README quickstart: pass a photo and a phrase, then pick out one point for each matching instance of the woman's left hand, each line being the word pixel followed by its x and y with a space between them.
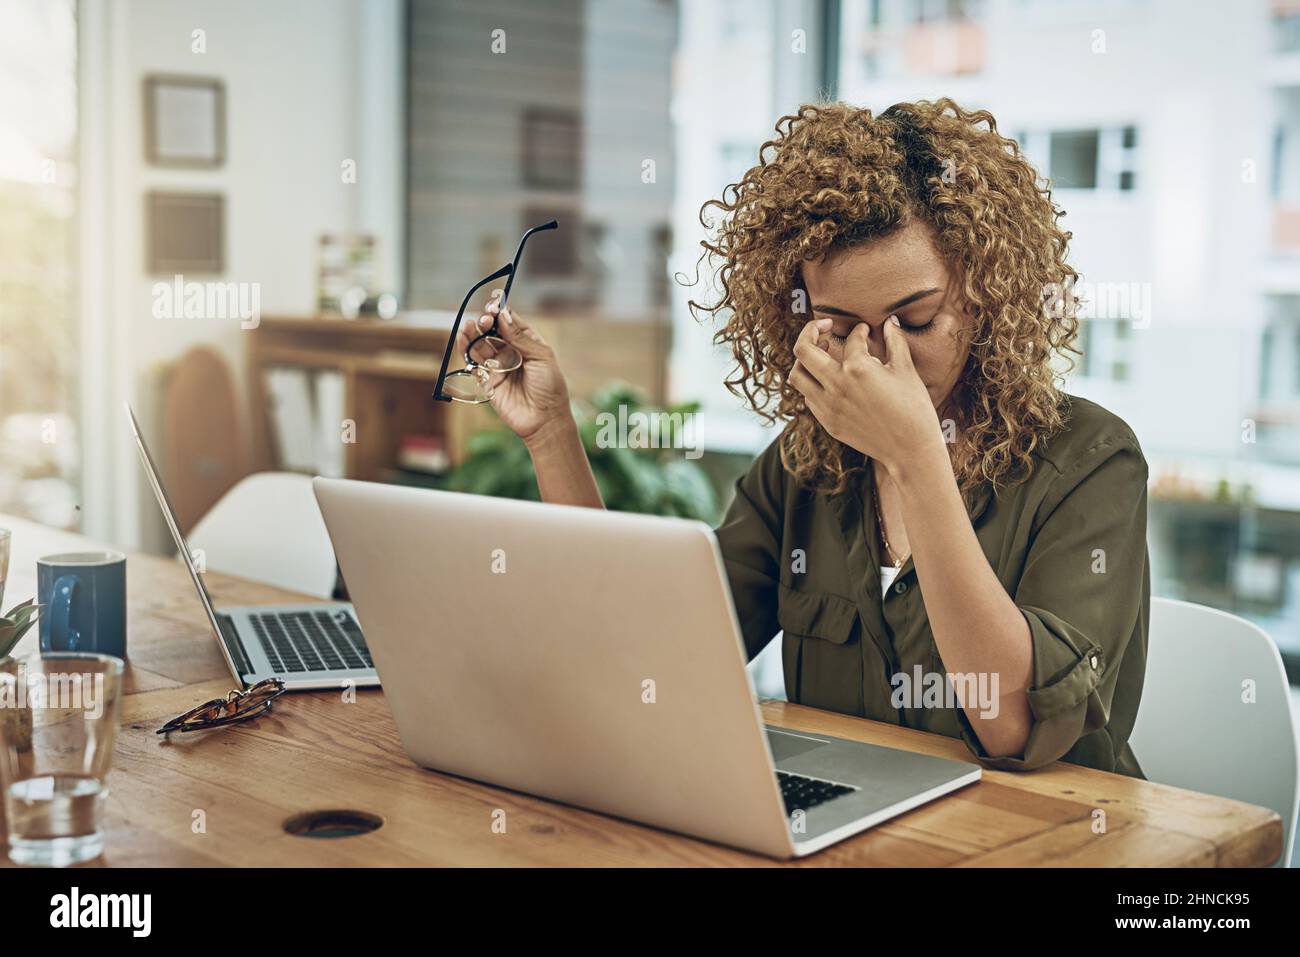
pixel 882 409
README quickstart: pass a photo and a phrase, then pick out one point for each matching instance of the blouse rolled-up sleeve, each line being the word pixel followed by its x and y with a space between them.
pixel 1085 593
pixel 749 539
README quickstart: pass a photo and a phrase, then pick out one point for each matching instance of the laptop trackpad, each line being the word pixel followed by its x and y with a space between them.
pixel 786 746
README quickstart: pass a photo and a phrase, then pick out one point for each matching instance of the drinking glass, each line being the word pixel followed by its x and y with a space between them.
pixel 58 723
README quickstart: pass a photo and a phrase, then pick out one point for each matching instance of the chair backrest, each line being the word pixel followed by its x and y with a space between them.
pixel 1216 711
pixel 268 528
pixel 203 445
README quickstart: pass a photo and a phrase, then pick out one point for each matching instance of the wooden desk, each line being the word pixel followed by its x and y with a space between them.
pixel 317 752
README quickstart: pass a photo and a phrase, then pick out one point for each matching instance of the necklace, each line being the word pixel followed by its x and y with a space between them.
pixel 880 523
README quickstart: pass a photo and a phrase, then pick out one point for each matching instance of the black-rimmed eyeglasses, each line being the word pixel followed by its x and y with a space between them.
pixel 236 707
pixel 488 357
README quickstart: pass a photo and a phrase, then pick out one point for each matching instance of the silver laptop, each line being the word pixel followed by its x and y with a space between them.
pixel 594 658
pixel 316 645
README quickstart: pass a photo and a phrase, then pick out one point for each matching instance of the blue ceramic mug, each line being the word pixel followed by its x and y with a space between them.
pixel 83 602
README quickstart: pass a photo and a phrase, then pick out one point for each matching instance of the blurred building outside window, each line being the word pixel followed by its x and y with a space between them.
pixel 1166 185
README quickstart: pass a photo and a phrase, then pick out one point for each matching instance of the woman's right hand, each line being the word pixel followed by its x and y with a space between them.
pixel 535 395
pixel 533 402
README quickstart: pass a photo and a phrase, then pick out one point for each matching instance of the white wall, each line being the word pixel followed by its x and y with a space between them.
pixel 309 83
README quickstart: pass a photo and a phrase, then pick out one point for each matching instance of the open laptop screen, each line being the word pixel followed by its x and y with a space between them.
pixel 170 515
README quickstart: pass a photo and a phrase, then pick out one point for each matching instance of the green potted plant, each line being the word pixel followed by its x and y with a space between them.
pixel 16 623
pixel 653 481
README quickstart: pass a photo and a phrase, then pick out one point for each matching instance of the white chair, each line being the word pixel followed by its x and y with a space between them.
pixel 1194 730
pixel 269 529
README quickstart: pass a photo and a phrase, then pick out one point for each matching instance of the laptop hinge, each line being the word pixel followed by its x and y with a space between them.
pixel 230 635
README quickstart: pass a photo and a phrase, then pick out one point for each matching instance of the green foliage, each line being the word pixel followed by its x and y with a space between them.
pixel 650 481
pixel 17 623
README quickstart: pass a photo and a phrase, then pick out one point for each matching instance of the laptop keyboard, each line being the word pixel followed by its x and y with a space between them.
pixel 305 641
pixel 801 793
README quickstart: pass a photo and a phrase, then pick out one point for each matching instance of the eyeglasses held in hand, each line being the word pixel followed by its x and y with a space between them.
pixel 232 709
pixel 488 357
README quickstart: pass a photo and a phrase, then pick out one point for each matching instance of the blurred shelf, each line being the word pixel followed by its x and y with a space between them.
pixel 389 368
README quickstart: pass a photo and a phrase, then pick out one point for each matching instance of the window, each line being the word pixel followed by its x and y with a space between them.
pixel 937 11
pixel 1105 344
pixel 1286 30
pixel 907 38
pixel 39 468
pixel 1098 159
pixel 1074 159
pixel 1279 374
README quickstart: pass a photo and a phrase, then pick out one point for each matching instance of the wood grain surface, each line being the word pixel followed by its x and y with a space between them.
pixel 318 751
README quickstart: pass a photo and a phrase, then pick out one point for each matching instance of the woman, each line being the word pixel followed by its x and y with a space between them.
pixel 935 505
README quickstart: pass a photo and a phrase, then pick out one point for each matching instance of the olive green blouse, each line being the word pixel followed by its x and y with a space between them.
pixel 1068 545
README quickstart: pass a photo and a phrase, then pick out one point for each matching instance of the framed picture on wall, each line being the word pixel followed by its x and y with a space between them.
pixel 184 233
pixel 184 121
pixel 552 148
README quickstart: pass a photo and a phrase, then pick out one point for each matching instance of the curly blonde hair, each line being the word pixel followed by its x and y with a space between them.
pixel 835 176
